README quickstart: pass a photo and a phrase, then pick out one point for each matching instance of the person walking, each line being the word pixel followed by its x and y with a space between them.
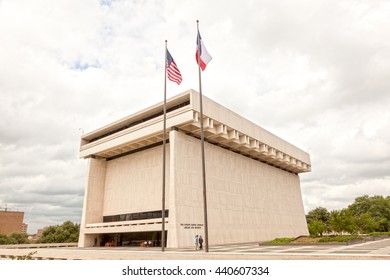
pixel 196 243
pixel 200 242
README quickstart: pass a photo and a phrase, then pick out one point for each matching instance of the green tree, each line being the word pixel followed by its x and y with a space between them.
pixel 318 221
pixel 366 223
pixel 67 232
pixel 342 221
pixel 18 238
pixel 335 222
pixel 378 207
pixel 317 228
pixel 4 239
pixel 366 214
pixel 318 214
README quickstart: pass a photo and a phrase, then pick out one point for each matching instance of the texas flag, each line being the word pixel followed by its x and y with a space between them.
pixel 205 57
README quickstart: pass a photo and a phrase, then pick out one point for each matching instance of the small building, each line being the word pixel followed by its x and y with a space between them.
pixel 24 228
pixel 253 186
pixel 37 235
pixel 11 221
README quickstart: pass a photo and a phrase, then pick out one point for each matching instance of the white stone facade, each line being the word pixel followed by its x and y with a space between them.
pixel 253 187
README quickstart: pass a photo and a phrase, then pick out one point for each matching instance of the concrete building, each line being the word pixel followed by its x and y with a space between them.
pixel 253 187
pixel 37 235
pixel 24 228
pixel 11 221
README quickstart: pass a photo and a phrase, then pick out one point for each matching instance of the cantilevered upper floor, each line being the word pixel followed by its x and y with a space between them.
pixel 222 127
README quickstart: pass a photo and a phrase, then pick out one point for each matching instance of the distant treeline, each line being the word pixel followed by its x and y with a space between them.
pixel 367 214
pixel 66 233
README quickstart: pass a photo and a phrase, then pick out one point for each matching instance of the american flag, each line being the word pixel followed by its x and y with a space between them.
pixel 173 72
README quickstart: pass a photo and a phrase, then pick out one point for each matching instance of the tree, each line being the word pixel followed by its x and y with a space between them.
pixel 3 239
pixel 378 207
pixel 320 214
pixel 18 238
pixel 342 221
pixel 318 221
pixel 335 221
pixel 67 232
pixel 366 223
pixel 317 228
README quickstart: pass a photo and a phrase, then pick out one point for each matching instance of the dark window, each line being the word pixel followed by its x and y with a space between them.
pixel 135 216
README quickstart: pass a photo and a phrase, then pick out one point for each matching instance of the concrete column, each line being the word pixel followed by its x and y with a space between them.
pixel 172 241
pixel 93 199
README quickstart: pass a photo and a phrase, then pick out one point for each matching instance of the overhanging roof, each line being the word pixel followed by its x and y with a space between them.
pixel 221 126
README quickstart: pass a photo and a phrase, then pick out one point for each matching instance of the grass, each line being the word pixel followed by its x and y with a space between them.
pixel 378 233
pixel 340 238
pixel 280 241
pixel 308 239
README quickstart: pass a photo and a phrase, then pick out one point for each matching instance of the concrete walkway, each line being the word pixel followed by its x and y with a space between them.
pixel 373 250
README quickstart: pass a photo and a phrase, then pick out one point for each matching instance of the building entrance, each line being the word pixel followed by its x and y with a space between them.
pixel 134 239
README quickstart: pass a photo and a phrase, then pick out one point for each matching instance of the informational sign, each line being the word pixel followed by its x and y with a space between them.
pixel 191 226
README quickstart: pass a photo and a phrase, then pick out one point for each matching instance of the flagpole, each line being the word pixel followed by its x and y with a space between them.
pixel 164 153
pixel 202 147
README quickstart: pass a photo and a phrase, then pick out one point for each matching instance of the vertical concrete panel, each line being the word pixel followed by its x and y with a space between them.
pixel 93 199
pixel 248 201
pixel 172 227
pixel 187 188
pixel 134 183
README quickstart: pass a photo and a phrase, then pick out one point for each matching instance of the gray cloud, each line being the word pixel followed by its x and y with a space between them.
pixel 312 72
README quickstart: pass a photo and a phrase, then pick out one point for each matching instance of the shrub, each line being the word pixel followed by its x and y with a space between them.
pixel 24 257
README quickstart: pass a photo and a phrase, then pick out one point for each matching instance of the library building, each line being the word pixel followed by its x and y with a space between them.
pixel 253 184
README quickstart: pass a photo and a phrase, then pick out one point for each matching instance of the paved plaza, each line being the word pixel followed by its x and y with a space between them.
pixel 373 250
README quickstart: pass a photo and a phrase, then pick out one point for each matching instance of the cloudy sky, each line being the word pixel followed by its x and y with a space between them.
pixel 315 73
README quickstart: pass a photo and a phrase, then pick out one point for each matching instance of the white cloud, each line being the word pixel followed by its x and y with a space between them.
pixel 335 197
